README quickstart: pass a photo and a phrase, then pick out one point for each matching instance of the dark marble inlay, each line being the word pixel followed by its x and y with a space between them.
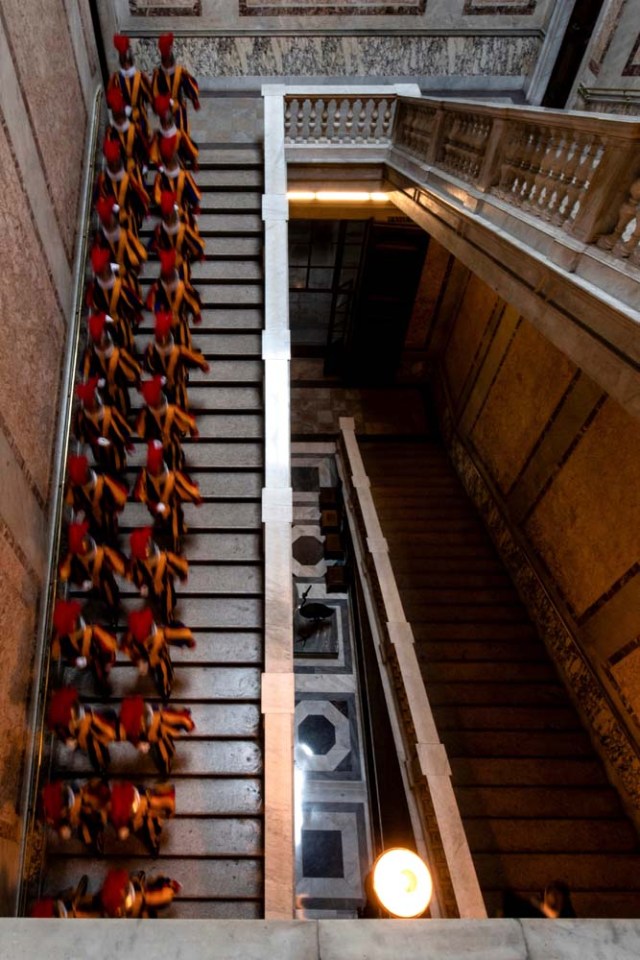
pixel 168 8
pixel 305 479
pixel 489 8
pixel 318 733
pixel 320 8
pixel 322 853
pixel 308 551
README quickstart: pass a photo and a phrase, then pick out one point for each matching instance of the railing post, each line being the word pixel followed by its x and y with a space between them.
pixel 436 137
pixel 277 510
pixel 492 156
pixel 607 191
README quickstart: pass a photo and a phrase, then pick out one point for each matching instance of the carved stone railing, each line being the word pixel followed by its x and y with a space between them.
pixel 579 172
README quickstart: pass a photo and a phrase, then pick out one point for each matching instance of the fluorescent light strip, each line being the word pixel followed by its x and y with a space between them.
pixel 337 196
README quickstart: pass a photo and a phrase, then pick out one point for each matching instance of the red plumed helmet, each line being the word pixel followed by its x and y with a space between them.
pixel 100 257
pixel 115 100
pixel 96 325
pixel 162 105
pixel 86 391
pixel 123 795
pixel 76 533
pixel 78 468
pixel 105 208
pixel 164 322
pixel 155 456
pixel 131 715
pixel 61 707
pixel 121 43
pixel 53 800
pixel 151 390
pixel 167 262
pixel 44 909
pixel 65 616
pixel 139 540
pixel 114 891
pixel 140 623
pixel 111 150
pixel 167 202
pixel 165 42
pixel 168 147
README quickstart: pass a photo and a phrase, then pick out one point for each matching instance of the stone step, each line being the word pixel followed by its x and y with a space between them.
pixel 436 653
pixel 232 318
pixel 199 877
pixel 208 454
pixel 233 200
pixel 206 796
pixel 230 224
pixel 218 647
pixel 191 683
pixel 582 871
pixel 231 485
pixel 246 612
pixel 498 693
pixel 215 293
pixel 454 613
pixel 208 395
pixel 225 547
pixel 236 157
pixel 229 371
pixel 181 837
pixel 193 758
pixel 513 632
pixel 542 802
pixel 462 717
pixel 215 910
pixel 485 672
pixel 227 248
pixel 524 771
pixel 517 743
pixel 462 594
pixel 236 270
pixel 553 836
pixel 216 179
pixel 602 904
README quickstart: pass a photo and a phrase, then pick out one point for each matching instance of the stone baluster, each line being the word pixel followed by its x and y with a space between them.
pixel 388 109
pixel 299 119
pixel 361 120
pixel 348 120
pixel 532 169
pixel 287 119
pixel 312 118
pixel 567 168
pixel 337 118
pixel 375 116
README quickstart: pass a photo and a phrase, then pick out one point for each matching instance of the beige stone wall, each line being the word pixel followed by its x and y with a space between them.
pixel 561 460
pixel 48 76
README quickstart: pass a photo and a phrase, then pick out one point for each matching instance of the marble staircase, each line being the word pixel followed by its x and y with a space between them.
pixel 533 795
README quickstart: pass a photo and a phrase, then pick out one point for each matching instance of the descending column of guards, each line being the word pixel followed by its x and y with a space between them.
pixel 84 628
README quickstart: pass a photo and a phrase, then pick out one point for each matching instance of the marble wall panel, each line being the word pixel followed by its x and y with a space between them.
pixel 17 620
pixel 469 328
pixel 351 56
pixel 33 334
pixel 310 8
pixel 527 387
pixel 433 279
pixel 586 527
pixel 52 89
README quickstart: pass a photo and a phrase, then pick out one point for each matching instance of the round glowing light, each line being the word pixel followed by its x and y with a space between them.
pixel 402 883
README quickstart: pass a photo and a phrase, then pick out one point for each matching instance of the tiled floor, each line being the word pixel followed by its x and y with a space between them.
pixel 333 836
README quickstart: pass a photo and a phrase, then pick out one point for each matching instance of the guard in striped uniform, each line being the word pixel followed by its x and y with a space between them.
pixel 82 644
pixel 98 496
pixel 126 188
pixel 69 808
pixel 166 358
pixel 109 293
pixel 102 427
pixel 163 421
pixel 133 84
pixel 172 177
pixel 93 567
pixel 134 896
pixel 175 233
pixel 154 730
pixel 175 81
pixel 171 292
pixel 123 245
pixel 115 367
pixel 91 731
pixel 69 904
pixel 141 811
pixel 184 145
pixel 164 491
pixel 147 644
pixel 128 134
pixel 153 571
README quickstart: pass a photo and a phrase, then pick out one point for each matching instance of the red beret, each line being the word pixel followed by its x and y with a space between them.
pixel 115 100
pixel 111 150
pixel 114 890
pixel 123 795
pixel 86 391
pixel 120 42
pixel 61 707
pixel 151 390
pixel 131 715
pixel 139 540
pixel 140 623
pixel 96 324
pixel 167 262
pixel 105 207
pixel 167 202
pixel 162 104
pixel 168 147
pixel 164 322
pixel 78 467
pixel 77 532
pixel 100 257
pixel 155 456
pixel 165 42
pixel 65 616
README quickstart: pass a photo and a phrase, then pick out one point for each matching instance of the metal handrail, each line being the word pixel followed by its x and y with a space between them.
pixel 35 748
